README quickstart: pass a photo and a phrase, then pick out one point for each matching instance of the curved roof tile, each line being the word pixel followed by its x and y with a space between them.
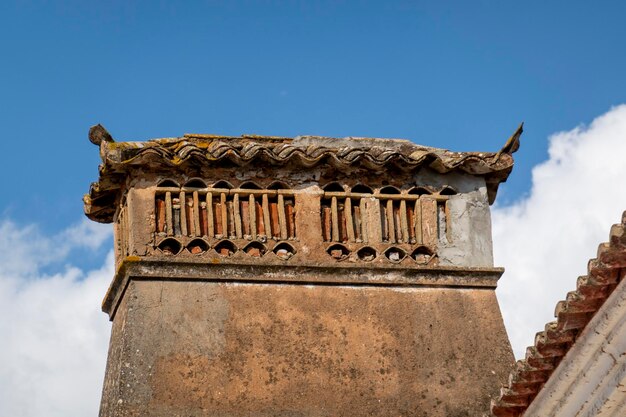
pixel 572 315
pixel 307 151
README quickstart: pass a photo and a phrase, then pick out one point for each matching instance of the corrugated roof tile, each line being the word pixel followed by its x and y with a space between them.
pixel 553 343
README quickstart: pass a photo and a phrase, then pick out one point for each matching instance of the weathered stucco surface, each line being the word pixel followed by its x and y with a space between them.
pixel 469 215
pixel 230 349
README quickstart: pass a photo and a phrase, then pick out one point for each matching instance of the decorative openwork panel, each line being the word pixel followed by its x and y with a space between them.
pixel 390 221
pixel 223 212
pixel 415 217
pixel 344 215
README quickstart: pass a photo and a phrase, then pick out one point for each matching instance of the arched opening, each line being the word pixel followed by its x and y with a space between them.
pixel 222 184
pixel 361 189
pixel 389 189
pixel 168 183
pixel 447 190
pixel 250 185
pixel 225 248
pixel 284 251
pixel 197 246
pixel 255 249
pixel 366 254
pixel 419 191
pixel 170 246
pixel 195 183
pixel 395 255
pixel 333 187
pixel 278 185
pixel 338 252
pixel 422 255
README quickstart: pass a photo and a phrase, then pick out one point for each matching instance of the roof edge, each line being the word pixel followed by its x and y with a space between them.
pixel 573 314
pixel 119 158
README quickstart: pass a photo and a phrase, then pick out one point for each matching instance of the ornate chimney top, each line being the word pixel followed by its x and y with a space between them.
pixel 375 249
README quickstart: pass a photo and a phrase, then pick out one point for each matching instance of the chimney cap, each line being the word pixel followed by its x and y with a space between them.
pixel 119 158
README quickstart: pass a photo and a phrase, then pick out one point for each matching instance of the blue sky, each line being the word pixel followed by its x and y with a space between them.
pixel 456 75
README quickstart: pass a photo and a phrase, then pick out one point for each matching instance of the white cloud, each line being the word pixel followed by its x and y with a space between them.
pixel 24 251
pixel 86 234
pixel 54 336
pixel 545 240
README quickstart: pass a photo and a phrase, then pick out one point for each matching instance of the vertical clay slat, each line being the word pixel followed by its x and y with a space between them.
pixel 168 214
pixel 260 220
pixel 281 217
pixel 252 215
pixel 291 219
pixel 397 221
pixel 219 225
pixel 230 212
pixel 356 220
pixel 209 214
pixel 176 215
pixel 183 213
pixel 429 221
pixel 203 219
pixel 196 214
pixel 274 220
pixel 343 227
pixel 237 216
pixel 224 214
pixel 364 222
pixel 189 215
pixel 384 228
pixel 390 222
pixel 347 210
pixel 417 220
pixel 160 214
pixel 404 222
pixel 266 216
pixel 326 223
pixel 245 218
pixel 334 216
pixel 410 218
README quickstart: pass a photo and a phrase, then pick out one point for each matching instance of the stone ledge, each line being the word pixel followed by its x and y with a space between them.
pixel 335 275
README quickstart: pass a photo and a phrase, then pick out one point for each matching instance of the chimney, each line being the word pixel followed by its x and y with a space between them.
pixel 303 276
